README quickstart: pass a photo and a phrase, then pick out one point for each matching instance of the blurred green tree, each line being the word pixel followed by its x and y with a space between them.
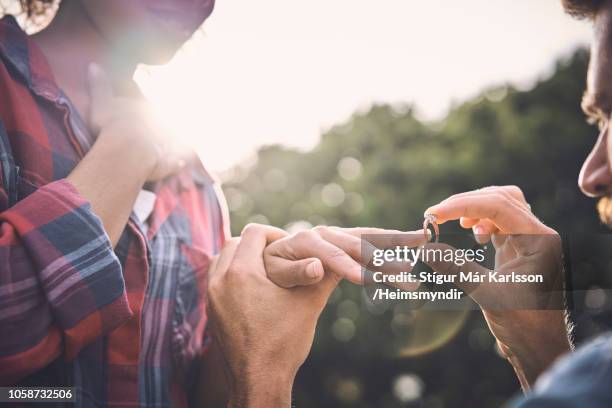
pixel 384 168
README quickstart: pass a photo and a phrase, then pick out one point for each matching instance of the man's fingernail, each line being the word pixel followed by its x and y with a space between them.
pixel 430 211
pixel 478 230
pixel 312 270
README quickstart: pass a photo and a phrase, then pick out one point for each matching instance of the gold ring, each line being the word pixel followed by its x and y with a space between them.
pixel 430 225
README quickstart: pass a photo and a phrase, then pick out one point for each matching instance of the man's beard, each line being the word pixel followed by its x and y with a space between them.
pixel 604 207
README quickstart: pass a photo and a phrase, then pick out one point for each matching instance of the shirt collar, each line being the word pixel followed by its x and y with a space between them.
pixel 26 60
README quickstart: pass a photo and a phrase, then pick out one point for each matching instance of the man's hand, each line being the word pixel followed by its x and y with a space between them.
pixel 528 320
pixel 265 332
pixel 266 292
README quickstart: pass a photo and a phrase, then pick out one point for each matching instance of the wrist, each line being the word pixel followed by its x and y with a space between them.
pixel 532 358
pixel 269 389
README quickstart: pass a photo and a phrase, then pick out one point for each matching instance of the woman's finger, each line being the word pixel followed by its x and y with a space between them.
pixel 384 238
pixel 362 250
pixel 289 273
pixel 309 244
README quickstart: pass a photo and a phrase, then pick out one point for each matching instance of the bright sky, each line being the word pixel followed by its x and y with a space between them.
pixel 281 71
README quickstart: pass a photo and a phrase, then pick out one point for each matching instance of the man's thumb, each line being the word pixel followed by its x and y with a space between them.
pixel 100 96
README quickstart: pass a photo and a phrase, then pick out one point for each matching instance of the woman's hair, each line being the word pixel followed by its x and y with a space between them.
pixel 582 8
pixel 32 15
pixel 35 7
pixel 30 9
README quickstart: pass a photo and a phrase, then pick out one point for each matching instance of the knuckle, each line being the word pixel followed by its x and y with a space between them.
pixel 236 268
pixel 215 288
pixel 320 229
pixel 355 247
pixel 551 231
pixel 513 188
pixel 234 240
pixel 274 249
pixel 515 191
pixel 505 206
pixel 336 253
pixel 306 235
pixel 503 197
pixel 251 228
pixel 231 243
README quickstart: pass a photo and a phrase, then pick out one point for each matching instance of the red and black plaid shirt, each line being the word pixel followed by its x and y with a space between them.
pixel 122 326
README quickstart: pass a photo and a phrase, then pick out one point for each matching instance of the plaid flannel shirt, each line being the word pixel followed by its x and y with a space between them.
pixel 124 327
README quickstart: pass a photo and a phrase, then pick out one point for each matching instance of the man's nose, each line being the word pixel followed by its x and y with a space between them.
pixel 595 178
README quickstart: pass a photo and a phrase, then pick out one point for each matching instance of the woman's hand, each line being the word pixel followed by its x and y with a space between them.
pixel 129 150
pixel 128 123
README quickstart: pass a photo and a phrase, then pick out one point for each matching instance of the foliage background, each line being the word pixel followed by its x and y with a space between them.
pixel 383 168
